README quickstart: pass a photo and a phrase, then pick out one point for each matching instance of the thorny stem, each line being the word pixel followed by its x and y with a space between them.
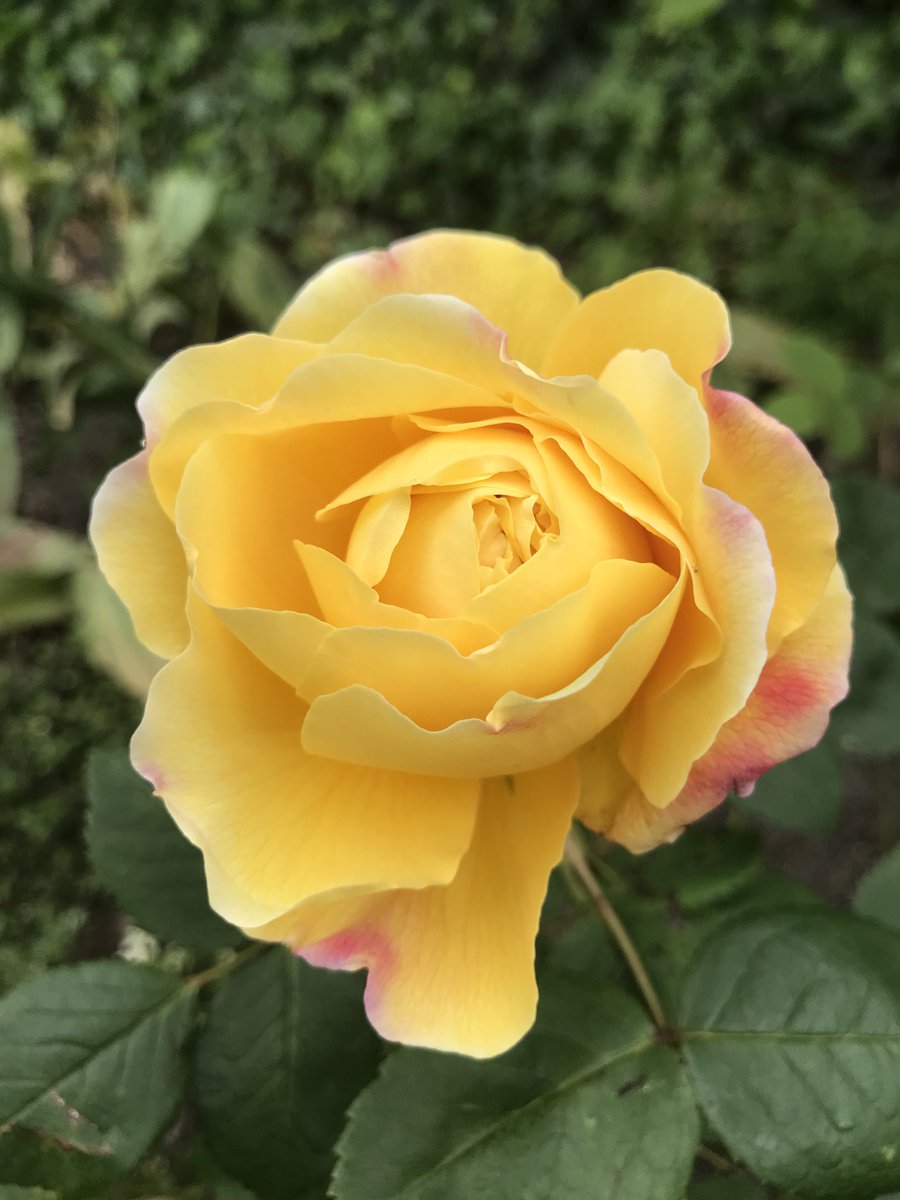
pixel 575 856
pixel 226 966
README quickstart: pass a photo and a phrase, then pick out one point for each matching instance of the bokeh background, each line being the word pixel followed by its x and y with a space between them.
pixel 170 174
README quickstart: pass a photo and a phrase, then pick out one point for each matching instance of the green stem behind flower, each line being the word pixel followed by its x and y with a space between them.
pixel 576 858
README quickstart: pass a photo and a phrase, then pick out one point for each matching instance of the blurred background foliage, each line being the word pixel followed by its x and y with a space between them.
pixel 170 175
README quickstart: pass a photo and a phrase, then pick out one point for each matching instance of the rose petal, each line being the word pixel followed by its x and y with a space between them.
pixel 518 288
pixel 248 369
pixel 764 466
pixel 674 722
pixel 651 310
pixel 786 714
pixel 220 740
pixel 520 733
pixel 141 556
pixel 452 967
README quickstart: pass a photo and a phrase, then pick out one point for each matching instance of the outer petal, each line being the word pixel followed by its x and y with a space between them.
pixel 786 714
pixel 220 740
pixel 141 556
pixel 249 369
pixel 764 466
pixel 673 724
pixel 452 967
pixel 518 289
pixel 652 310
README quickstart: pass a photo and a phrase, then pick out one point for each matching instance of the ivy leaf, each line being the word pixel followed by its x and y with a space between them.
pixel 91 1055
pixel 793 1040
pixel 149 866
pixel 284 1051
pixel 878 894
pixel 589 1104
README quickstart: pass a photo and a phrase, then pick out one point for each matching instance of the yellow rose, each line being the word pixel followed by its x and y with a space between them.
pixel 450 558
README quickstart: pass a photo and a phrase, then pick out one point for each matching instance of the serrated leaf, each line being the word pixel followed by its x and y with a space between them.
pixel 100 1044
pixel 588 1105
pixel 283 1052
pixel 793 1040
pixel 803 793
pixel 878 894
pixel 29 1159
pixel 869 549
pixel 145 861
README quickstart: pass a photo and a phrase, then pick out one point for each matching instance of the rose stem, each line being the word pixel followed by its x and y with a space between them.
pixel 575 857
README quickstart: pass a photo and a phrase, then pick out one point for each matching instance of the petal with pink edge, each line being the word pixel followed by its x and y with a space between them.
pixel 675 720
pixel 764 466
pixel 518 288
pixel 452 967
pixel 786 714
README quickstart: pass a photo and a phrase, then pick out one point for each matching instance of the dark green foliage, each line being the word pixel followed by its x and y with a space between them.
pixel 283 1053
pixel 90 1056
pixel 151 868
pixel 587 1105
pixel 794 1047
pixel 751 145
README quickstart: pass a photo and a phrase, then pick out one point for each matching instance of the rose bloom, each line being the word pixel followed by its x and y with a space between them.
pixel 450 558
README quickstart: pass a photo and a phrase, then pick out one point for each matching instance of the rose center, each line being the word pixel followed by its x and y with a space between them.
pixel 508 531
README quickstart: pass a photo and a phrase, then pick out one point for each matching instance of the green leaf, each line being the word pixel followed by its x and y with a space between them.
pixel 284 1051
pixel 146 862
pixel 793 1040
pixel 727 1188
pixel 588 1105
pixel 10 464
pixel 670 16
pixel 181 206
pixel 12 333
pixel 105 629
pixel 703 867
pixel 36 565
pixel 257 283
pixel 878 894
pixel 866 722
pixel 799 410
pixel 11 1192
pixel 803 793
pixel 29 1159
pixel 92 1054
pixel 869 514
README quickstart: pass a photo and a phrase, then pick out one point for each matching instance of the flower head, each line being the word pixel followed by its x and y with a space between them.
pixel 450 558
